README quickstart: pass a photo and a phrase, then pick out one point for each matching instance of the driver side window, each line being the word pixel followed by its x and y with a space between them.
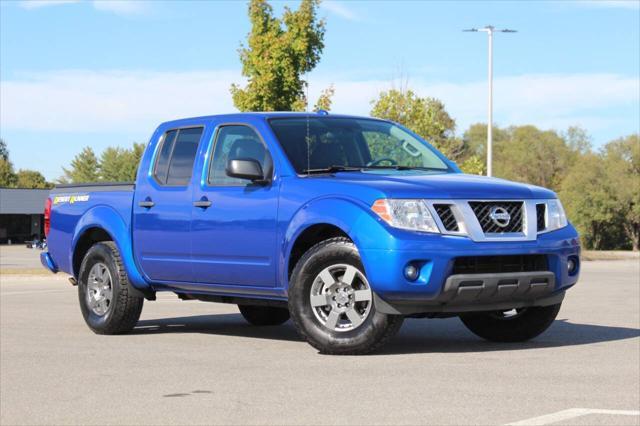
pixel 236 142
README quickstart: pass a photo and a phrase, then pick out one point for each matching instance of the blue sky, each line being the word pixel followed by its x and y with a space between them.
pixel 78 73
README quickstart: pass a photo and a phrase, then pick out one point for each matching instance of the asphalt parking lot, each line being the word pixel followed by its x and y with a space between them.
pixel 200 363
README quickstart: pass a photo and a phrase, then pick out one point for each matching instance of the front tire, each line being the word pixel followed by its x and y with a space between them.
pixel 331 302
pixel 264 315
pixel 517 325
pixel 105 294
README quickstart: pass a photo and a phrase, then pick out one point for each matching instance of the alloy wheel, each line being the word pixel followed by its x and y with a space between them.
pixel 341 297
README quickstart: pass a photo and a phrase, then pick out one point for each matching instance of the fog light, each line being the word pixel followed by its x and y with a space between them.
pixel 411 272
pixel 572 265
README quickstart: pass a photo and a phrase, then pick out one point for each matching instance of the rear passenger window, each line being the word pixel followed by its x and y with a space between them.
pixel 177 155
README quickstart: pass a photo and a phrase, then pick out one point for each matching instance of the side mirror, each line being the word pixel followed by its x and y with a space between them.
pixel 245 169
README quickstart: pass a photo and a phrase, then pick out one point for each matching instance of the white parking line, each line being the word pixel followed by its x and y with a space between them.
pixel 570 414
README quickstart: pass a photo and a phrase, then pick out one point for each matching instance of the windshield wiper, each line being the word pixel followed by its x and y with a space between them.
pixel 333 169
pixel 398 167
pixel 394 167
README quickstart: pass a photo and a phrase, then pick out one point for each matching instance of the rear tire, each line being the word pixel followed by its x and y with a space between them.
pixel 332 304
pixel 105 293
pixel 524 325
pixel 264 315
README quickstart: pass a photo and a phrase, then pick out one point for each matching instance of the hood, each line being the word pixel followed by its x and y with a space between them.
pixel 412 184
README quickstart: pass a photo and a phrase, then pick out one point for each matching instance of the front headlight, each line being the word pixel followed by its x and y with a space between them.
pixel 556 218
pixel 406 214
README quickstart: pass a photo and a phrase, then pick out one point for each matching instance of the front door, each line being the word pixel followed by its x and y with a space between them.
pixel 234 230
pixel 162 208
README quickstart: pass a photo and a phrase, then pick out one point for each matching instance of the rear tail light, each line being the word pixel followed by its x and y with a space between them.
pixel 47 217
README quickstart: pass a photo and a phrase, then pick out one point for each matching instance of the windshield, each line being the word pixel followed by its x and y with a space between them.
pixel 344 144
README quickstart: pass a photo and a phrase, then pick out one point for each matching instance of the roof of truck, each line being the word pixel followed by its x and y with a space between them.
pixel 267 115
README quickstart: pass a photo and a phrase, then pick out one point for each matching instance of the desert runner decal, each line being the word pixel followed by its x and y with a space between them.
pixel 59 199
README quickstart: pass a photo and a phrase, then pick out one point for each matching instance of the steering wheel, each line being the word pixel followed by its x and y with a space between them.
pixel 382 160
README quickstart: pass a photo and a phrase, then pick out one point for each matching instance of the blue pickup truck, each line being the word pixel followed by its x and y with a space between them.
pixel 344 224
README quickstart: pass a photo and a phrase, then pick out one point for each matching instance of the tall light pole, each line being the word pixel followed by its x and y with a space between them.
pixel 489 29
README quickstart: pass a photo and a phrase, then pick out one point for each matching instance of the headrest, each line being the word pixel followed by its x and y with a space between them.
pixel 247 148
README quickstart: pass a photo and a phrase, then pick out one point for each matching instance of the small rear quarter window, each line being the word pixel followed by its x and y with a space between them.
pixel 162 163
pixel 174 165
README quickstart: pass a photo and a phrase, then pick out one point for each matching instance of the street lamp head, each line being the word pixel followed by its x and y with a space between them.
pixel 488 29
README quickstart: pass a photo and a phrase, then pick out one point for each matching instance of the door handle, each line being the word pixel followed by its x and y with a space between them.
pixel 147 203
pixel 203 203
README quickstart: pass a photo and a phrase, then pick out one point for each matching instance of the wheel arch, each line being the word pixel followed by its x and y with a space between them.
pixel 103 223
pixel 85 241
pixel 318 221
pixel 310 236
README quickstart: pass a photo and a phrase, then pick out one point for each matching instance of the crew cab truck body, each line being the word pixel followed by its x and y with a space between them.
pixel 346 224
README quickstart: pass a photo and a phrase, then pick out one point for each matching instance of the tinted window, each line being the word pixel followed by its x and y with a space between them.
pixel 184 154
pixel 177 155
pixel 236 142
pixel 162 164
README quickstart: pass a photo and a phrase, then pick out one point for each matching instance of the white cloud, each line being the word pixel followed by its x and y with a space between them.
pixel 37 4
pixel 339 9
pixel 87 101
pixel 546 100
pixel 620 4
pixel 121 7
pixel 134 102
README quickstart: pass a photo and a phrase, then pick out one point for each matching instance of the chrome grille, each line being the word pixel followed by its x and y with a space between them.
pixel 446 216
pixel 483 211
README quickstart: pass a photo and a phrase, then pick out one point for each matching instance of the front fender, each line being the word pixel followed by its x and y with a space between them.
pixel 109 220
pixel 354 218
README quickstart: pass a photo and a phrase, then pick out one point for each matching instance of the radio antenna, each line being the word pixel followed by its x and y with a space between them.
pixel 308 136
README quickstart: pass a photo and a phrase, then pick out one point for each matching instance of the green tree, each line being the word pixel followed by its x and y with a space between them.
pixel 473 165
pixel 134 159
pixel 325 99
pixel 31 179
pixel 531 155
pixel 85 168
pixel 578 140
pixel 586 195
pixel 425 116
pixel 120 164
pixel 474 141
pixel 621 158
pixel 8 177
pixel 113 165
pixel 549 152
pixel 277 54
pixel 4 151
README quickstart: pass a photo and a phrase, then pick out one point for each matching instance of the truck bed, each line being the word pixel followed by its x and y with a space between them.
pixel 76 207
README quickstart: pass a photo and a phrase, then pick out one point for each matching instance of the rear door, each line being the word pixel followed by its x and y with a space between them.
pixel 234 230
pixel 162 207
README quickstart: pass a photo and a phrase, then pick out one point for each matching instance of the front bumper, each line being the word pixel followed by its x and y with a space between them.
pixel 483 292
pixel 437 290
